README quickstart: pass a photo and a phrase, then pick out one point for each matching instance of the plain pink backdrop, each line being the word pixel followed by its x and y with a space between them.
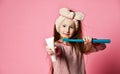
pixel 24 25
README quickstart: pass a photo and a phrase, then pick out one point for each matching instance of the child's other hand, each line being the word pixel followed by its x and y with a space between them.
pixel 87 40
pixel 49 50
pixel 88 43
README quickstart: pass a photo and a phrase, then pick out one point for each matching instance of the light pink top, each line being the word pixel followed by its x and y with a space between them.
pixel 69 61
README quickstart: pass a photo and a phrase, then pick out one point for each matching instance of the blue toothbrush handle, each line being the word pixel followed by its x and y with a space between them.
pixel 93 41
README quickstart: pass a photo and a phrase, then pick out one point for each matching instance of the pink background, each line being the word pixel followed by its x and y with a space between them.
pixel 24 25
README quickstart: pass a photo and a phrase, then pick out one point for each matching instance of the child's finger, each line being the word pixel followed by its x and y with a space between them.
pixel 50 52
pixel 55 47
pixel 89 38
pixel 84 40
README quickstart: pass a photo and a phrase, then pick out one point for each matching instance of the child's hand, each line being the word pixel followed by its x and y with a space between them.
pixel 49 50
pixel 87 43
pixel 87 40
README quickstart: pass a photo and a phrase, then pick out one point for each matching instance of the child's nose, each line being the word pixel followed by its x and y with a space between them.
pixel 67 29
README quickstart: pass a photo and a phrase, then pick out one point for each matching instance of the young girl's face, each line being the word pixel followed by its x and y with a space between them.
pixel 67 28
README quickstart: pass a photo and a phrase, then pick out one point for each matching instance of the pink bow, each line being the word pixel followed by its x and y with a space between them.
pixel 69 14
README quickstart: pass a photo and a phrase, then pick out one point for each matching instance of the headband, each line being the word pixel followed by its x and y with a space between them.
pixel 66 13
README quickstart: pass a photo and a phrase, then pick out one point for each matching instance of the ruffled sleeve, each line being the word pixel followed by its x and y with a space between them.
pixel 94 47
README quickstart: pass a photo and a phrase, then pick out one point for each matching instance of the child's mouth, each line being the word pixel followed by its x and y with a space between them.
pixel 66 34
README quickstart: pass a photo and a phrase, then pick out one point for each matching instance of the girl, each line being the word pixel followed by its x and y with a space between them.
pixel 70 58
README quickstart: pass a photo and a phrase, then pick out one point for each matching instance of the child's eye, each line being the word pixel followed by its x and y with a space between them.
pixel 64 25
pixel 72 27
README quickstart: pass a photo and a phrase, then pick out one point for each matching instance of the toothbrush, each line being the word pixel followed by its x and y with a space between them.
pixel 81 40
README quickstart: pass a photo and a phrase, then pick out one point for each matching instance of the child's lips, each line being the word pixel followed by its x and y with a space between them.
pixel 66 34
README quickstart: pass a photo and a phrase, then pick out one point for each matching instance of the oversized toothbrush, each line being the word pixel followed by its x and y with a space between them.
pixel 81 40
